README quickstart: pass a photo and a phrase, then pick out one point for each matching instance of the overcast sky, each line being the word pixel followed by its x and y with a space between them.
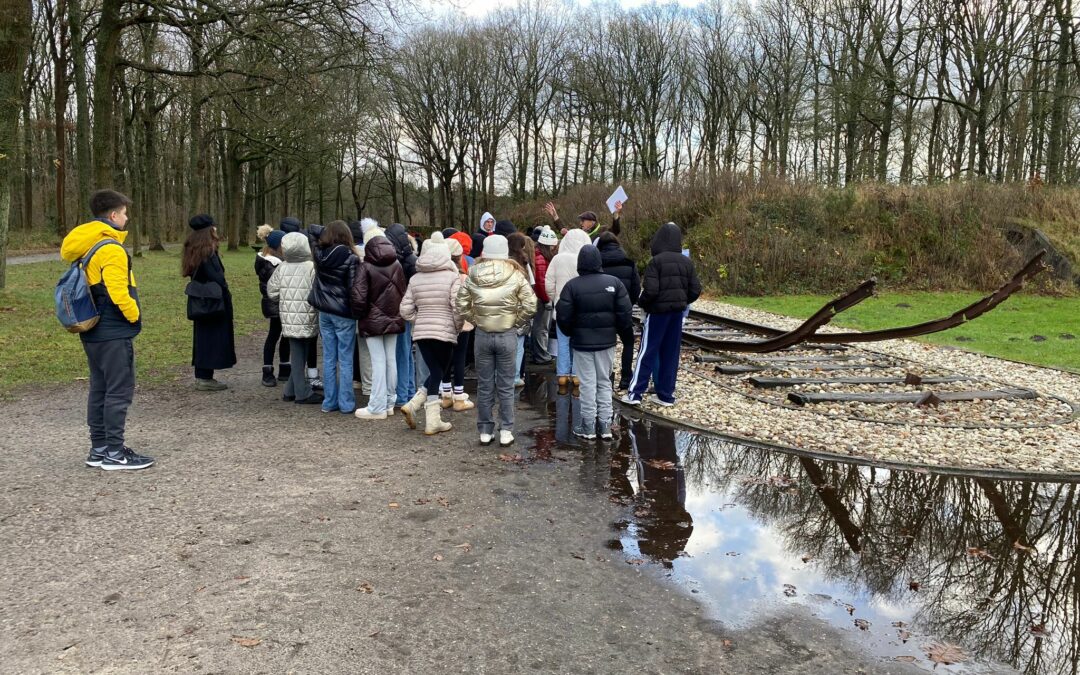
pixel 481 7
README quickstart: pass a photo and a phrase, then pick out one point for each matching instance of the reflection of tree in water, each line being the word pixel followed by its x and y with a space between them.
pixel 959 539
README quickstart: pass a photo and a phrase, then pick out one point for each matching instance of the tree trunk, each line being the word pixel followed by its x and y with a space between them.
pixel 14 44
pixel 106 56
pixel 82 107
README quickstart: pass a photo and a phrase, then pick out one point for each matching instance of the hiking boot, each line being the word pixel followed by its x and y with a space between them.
pixel 410 409
pixel 316 384
pixel 268 378
pixel 462 403
pixel 95 457
pixel 314 399
pixel 125 460
pixel 506 437
pixel 433 423
pixel 210 385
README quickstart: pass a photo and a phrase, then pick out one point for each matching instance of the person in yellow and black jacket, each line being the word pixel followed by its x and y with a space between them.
pixel 109 345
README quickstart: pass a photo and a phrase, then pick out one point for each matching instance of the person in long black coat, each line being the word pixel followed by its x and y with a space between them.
pixel 213 346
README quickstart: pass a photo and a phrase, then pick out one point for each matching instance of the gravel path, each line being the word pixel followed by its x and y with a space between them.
pixel 1053 449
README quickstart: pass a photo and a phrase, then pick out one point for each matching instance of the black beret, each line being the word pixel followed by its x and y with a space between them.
pixel 201 221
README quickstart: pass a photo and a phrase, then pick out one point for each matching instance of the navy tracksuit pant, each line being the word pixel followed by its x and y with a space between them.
pixel 658 356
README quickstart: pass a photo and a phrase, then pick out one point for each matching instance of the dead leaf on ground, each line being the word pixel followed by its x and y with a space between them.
pixel 905 659
pixel 370 635
pixel 728 644
pixel 976 552
pixel 1038 629
pixel 635 561
pixel 507 457
pixel 945 652
pixel 862 624
pixel 807 558
pixel 914 585
pixel 365 588
pixel 850 608
pixel 437 557
pixel 465 548
pixel 421 501
pixel 449 591
pixel 394 505
pixel 246 641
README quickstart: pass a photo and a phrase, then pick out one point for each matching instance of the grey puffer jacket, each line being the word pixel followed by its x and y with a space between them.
pixel 290 285
pixel 429 299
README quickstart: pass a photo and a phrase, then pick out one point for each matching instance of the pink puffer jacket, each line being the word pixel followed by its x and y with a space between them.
pixel 429 299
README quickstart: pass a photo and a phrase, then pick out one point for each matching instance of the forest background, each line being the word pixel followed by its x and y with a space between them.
pixel 803 144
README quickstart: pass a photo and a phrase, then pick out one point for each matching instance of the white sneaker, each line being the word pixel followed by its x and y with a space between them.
pixel 389 410
pixel 506 438
pixel 630 399
pixel 485 439
pixel 365 414
pixel 656 399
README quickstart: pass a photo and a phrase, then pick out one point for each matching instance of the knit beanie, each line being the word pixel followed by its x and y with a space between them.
pixel 455 247
pixel 371 233
pixel 465 241
pixel 496 248
pixel 289 224
pixel 273 240
pixel 547 237
pixel 201 221
pixel 436 239
pixel 505 228
pixel 262 231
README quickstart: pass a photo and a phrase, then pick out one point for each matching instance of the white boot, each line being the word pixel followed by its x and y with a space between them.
pixel 462 402
pixel 446 398
pixel 433 423
pixel 410 409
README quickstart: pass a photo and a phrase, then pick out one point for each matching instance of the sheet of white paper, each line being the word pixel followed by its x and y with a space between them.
pixel 618 196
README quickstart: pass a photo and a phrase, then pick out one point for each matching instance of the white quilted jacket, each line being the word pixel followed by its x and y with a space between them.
pixel 290 285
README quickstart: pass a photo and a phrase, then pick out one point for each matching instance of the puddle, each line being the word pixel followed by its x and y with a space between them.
pixel 896 559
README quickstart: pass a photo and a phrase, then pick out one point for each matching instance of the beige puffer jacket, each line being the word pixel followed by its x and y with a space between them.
pixel 290 285
pixel 429 298
pixel 496 296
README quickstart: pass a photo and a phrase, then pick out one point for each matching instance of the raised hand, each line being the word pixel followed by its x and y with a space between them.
pixel 550 209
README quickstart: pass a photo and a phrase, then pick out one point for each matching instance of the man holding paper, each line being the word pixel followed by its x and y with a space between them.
pixel 588 221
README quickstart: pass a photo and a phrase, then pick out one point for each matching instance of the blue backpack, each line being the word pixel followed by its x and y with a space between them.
pixel 75 306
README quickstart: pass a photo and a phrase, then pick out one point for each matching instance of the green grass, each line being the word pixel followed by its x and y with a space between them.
pixel 37 350
pixel 1005 331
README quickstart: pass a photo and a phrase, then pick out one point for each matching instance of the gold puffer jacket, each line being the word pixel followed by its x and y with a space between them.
pixel 496 296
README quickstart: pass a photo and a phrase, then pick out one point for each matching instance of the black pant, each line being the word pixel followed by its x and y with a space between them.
pixel 112 386
pixel 457 362
pixel 627 368
pixel 273 339
pixel 437 356
pixel 313 352
pixel 204 373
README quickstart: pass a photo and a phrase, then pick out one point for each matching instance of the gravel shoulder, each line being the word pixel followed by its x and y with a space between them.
pixel 267 539
pixel 1053 450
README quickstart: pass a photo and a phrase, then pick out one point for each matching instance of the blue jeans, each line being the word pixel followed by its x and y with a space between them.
pixel 520 356
pixel 339 338
pixel 564 360
pixel 383 350
pixel 406 370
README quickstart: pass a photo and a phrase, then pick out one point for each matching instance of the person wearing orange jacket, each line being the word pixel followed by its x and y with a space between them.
pixel 109 345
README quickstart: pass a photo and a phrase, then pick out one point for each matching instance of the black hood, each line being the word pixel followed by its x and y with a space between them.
pixel 400 239
pixel 477 244
pixel 588 260
pixel 333 258
pixel 612 254
pixel 667 239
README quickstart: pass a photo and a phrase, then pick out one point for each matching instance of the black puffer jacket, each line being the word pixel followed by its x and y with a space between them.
pixel 594 307
pixel 334 271
pixel 671 282
pixel 400 239
pixel 619 266
pixel 377 290
pixel 264 269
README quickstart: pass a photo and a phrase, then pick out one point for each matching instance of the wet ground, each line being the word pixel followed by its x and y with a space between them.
pixel 897 560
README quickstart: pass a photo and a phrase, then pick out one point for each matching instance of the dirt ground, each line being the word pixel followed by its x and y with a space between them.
pixel 273 538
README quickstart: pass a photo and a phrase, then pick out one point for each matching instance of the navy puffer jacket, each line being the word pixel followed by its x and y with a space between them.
pixel 593 307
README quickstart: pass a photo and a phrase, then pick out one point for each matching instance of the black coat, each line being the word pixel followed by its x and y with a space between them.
pixel 403 248
pixel 594 307
pixel 334 271
pixel 671 282
pixel 212 345
pixel 615 263
pixel 264 269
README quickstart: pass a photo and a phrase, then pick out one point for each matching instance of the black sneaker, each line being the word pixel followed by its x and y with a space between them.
pixel 126 460
pixel 268 378
pixel 310 400
pixel 288 398
pixel 95 457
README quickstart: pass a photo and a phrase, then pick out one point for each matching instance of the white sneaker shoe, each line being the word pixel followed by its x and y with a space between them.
pixel 656 399
pixel 365 414
pixel 506 438
pixel 485 439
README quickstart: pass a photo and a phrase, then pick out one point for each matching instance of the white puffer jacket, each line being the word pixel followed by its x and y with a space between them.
pixel 430 298
pixel 290 285
pixel 563 267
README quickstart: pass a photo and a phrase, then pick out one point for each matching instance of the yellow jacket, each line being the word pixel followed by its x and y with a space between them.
pixel 109 264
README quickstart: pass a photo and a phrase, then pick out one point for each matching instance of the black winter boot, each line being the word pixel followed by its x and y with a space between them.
pixel 268 377
pixel 284 372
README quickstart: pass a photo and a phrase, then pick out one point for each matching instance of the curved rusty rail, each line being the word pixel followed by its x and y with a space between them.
pixel 975 309
pixel 782 339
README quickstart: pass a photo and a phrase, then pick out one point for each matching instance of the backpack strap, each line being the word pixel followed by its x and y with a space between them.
pixel 85 260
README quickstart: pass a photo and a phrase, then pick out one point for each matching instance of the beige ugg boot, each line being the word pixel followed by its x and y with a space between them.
pixel 564 381
pixel 410 409
pixel 433 423
pixel 462 402
pixel 576 391
pixel 446 399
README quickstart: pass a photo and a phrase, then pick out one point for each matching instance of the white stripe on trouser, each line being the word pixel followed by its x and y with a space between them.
pixel 641 353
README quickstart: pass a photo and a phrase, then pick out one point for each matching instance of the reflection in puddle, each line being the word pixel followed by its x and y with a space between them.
pixel 899 559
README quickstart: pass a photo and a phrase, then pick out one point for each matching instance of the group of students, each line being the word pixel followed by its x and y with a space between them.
pixel 491 294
